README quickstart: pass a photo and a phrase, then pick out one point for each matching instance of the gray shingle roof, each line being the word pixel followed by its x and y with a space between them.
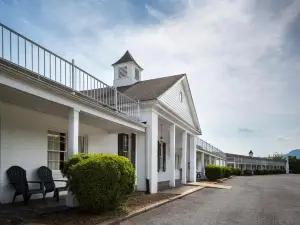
pixel 149 89
pixel 127 57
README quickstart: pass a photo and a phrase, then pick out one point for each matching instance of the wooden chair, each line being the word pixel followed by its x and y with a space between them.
pixel 45 174
pixel 17 177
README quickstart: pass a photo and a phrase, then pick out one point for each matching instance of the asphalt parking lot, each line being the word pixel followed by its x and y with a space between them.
pixel 270 199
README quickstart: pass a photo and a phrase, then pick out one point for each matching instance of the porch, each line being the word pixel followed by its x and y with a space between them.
pixel 19 212
pixel 37 132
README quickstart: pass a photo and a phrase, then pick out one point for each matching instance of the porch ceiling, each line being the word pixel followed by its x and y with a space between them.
pixel 16 97
pixel 19 98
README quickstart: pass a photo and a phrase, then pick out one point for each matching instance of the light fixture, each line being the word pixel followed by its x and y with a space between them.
pixel 161 139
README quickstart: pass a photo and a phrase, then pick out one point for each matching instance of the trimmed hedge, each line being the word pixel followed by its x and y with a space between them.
pixel 99 182
pixel 214 172
pixel 268 172
pixel 247 172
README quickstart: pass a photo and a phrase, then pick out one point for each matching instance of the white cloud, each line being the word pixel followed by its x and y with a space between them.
pixel 234 58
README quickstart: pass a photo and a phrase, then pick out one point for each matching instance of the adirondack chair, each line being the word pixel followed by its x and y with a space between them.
pixel 45 174
pixel 17 177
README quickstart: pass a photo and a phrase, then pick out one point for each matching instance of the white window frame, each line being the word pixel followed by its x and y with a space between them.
pixel 85 138
pixel 53 132
pixel 180 97
pixel 177 162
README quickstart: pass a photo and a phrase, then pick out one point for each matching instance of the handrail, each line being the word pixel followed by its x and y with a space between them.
pixel 21 51
pixel 210 148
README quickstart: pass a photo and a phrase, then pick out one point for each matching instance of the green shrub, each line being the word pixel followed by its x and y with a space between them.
pixel 247 172
pixel 265 172
pixel 258 172
pixel 227 171
pixel 99 182
pixel 237 171
pixel 213 172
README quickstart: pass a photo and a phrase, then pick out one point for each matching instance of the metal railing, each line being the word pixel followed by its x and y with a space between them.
pixel 210 148
pixel 21 51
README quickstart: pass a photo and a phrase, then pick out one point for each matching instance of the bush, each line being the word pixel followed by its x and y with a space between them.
pixel 227 172
pixel 99 182
pixel 258 172
pixel 248 172
pixel 213 172
pixel 236 171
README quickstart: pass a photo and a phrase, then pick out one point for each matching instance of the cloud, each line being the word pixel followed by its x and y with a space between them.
pixel 237 55
pixel 246 130
pixel 155 13
pixel 282 139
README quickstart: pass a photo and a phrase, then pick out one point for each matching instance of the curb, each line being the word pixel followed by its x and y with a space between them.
pixel 150 207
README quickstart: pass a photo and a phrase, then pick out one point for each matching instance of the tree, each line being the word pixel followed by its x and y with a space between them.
pixel 276 156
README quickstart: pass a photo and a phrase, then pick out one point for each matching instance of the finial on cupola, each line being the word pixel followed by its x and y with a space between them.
pixel 251 153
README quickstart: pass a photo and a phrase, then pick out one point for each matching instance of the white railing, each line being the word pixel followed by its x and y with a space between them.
pixel 22 52
pixel 210 148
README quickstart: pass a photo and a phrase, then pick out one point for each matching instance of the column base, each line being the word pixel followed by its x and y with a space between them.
pixel 71 201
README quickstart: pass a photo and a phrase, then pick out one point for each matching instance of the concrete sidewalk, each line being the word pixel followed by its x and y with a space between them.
pixel 209 185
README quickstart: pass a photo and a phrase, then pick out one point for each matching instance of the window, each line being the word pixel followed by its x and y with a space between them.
pixel 177 162
pixel 137 74
pixel 57 150
pixel 122 72
pixel 123 140
pixel 161 157
pixel 180 96
pixel 82 144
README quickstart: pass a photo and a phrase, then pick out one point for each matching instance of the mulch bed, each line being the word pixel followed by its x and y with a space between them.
pixel 74 216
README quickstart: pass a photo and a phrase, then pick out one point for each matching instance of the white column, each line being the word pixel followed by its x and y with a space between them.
pixel 287 165
pixel 209 159
pixel 152 138
pixel 172 156
pixel 193 156
pixel 183 162
pixel 73 130
pixel 202 164
pixel 151 148
pixel 141 164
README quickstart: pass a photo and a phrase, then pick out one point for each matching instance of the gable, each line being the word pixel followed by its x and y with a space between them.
pixel 185 109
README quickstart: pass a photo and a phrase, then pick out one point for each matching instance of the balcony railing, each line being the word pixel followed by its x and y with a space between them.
pixel 210 148
pixel 22 52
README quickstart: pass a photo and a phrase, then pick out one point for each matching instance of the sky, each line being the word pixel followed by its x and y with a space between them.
pixel 241 57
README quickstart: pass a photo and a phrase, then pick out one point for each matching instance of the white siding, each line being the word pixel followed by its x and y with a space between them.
pixel 171 99
pixel 24 142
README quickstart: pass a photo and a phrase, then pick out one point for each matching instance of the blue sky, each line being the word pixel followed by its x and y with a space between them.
pixel 241 57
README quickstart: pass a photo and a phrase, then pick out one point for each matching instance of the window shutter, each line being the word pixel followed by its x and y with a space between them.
pixel 158 154
pixel 120 144
pixel 133 149
pixel 164 157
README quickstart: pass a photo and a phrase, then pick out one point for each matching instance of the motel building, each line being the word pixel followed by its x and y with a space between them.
pixel 51 109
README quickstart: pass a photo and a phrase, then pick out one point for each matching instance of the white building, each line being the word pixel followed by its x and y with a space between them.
pixel 51 109
pixel 244 162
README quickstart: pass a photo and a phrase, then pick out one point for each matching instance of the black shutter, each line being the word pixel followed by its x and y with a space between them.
pixel 164 157
pixel 133 149
pixel 120 144
pixel 158 154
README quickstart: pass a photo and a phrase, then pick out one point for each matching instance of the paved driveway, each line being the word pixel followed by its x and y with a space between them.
pixel 273 199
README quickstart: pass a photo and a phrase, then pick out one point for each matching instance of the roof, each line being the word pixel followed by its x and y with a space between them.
pixel 127 57
pixel 295 152
pixel 150 89
pixel 249 157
